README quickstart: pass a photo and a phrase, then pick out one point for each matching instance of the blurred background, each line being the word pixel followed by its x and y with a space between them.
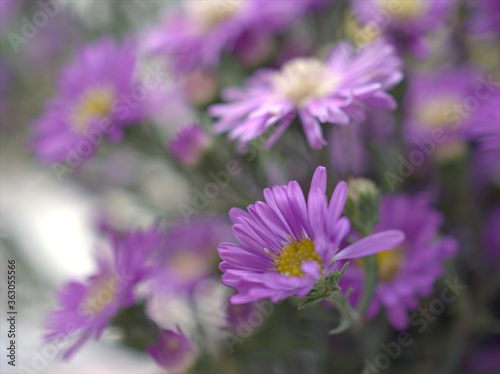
pixel 51 224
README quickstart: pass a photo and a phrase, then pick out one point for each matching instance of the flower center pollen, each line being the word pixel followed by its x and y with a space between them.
pixel 211 13
pixel 389 263
pixel 95 103
pixel 433 114
pixel 303 79
pixel 294 254
pixel 100 295
pixel 403 9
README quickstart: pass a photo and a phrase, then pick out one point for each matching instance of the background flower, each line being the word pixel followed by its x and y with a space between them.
pixel 336 91
pixel 95 100
pixel 408 271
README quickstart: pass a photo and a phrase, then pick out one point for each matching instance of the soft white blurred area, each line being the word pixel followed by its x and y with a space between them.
pixel 48 225
pixel 48 228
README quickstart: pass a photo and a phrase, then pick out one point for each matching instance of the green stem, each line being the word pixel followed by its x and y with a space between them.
pixel 371 271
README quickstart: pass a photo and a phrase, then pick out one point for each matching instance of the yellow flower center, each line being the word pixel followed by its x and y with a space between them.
pixel 99 296
pixel 389 263
pixel 95 103
pixel 437 113
pixel 361 34
pixel 172 345
pixel 303 79
pixel 403 9
pixel 293 255
pixel 210 13
pixel 451 150
pixel 188 265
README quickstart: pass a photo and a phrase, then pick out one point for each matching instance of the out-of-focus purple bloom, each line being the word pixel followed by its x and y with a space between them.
pixel 336 91
pixel 87 308
pixel 486 122
pixel 348 145
pixel 93 101
pixel 485 20
pixel 196 35
pixel 173 351
pixel 348 153
pixel 404 22
pixel 188 256
pixel 8 10
pixel 239 314
pixel 288 244
pixel 189 144
pixel 439 105
pixel 485 167
pixel 199 87
pixel 408 271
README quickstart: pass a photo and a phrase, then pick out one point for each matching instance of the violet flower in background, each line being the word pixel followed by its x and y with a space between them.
pixel 188 256
pixel 405 23
pixel 336 91
pixel 94 100
pixel 486 122
pixel 408 271
pixel 485 167
pixel 173 351
pixel 189 144
pixel 123 87
pixel 288 244
pixel 196 35
pixel 8 12
pixel 348 153
pixel 443 107
pixel 485 21
pixel 87 308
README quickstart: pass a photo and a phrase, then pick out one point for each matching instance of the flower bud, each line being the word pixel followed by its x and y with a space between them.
pixel 189 145
pixel 362 206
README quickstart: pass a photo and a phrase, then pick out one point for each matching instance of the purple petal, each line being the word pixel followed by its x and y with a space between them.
pixel 372 244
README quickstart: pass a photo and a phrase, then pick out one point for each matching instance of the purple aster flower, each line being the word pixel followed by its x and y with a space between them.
pixel 288 244
pixel 485 120
pixel 93 101
pixel 485 20
pixel 188 256
pixel 196 35
pixel 408 271
pixel 173 351
pixel 336 91
pixel 439 106
pixel 87 308
pixel 404 22
pixel 189 144
pixel 485 167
